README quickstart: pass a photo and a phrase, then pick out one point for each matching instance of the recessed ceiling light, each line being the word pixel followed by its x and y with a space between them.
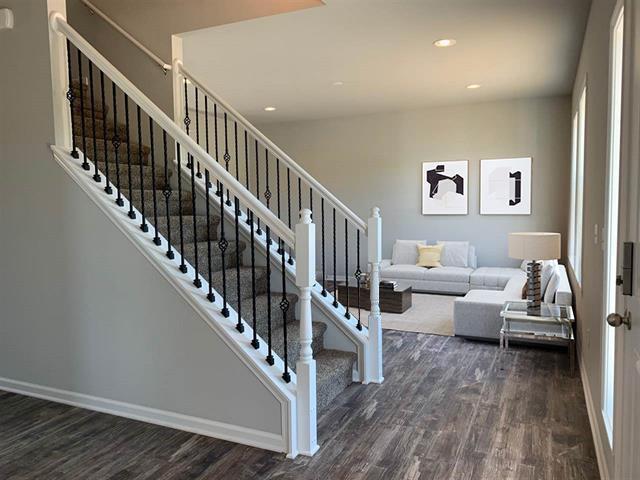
pixel 473 86
pixel 445 42
pixel 337 83
pixel 269 109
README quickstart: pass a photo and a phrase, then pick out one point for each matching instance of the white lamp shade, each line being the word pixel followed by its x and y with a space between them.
pixel 534 245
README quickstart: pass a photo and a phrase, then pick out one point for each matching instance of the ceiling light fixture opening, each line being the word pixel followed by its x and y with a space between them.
pixel 338 83
pixel 445 42
pixel 270 109
pixel 473 86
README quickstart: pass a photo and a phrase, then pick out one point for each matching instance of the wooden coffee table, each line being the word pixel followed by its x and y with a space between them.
pixel 396 300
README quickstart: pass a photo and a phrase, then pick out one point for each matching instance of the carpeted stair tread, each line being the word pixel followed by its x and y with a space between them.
pixel 262 311
pixel 88 127
pixel 333 374
pixel 174 204
pixel 293 340
pixel 245 283
pixel 111 150
pixel 201 233
pixel 135 175
pixel 216 256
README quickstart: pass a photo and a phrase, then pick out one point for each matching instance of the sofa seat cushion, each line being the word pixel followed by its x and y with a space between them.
pixel 449 274
pixel 403 272
pixel 493 278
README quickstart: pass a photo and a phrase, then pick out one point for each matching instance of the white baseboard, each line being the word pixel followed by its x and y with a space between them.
pixel 178 421
pixel 593 421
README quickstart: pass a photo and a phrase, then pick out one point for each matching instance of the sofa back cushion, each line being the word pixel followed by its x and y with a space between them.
pixel 429 256
pixel 405 252
pixel 454 254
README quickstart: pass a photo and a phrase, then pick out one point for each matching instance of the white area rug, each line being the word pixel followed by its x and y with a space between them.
pixel 428 314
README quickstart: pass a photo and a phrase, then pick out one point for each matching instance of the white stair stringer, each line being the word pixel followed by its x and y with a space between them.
pixel 224 328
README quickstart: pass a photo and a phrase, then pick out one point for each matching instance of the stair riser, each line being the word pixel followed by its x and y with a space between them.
pixel 147 183
pixel 245 285
pixel 122 153
pixel 88 128
pixel 216 257
pixel 293 351
pixel 338 382
pixel 201 233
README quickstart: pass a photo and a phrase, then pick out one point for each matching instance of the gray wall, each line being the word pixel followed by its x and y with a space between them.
pixel 377 160
pixel 81 308
pixel 594 64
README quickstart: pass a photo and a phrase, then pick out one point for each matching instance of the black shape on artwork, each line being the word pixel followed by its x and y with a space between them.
pixel 435 177
pixel 517 191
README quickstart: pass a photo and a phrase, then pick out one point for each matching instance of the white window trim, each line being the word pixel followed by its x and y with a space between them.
pixel 577 183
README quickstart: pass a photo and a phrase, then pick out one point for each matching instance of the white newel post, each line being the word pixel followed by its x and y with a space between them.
pixel 374 227
pixel 59 76
pixel 306 365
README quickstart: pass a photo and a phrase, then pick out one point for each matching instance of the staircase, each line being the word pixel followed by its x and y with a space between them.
pixel 334 367
pixel 230 221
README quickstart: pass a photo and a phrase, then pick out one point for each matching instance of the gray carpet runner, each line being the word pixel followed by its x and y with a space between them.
pixel 333 367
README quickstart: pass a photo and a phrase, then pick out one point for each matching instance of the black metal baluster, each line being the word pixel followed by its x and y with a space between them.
pixel 85 164
pixel 143 226
pixel 335 279
pixel 226 157
pixel 254 342
pixel 347 315
pixel 116 143
pixel 269 359
pixel 187 119
pixel 280 242
pixel 196 265
pixel 235 139
pixel 246 171
pixel 210 296
pixel 267 192
pixel 284 306
pixel 290 260
pixel 107 187
pixel 96 175
pixel 71 97
pixel 222 245
pixel 258 231
pixel 166 192
pixel 239 325
pixel 198 174
pixel 183 266
pixel 206 129
pixel 299 195
pixel 311 201
pixel 156 237
pixel 358 275
pixel 324 270
pixel 131 213
pixel 215 132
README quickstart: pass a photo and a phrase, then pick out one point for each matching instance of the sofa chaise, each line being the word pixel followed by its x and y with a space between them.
pixel 485 289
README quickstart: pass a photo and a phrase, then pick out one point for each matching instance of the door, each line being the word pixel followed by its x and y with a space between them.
pixel 621 361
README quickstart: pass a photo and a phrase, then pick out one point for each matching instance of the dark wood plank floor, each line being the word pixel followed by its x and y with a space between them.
pixel 449 409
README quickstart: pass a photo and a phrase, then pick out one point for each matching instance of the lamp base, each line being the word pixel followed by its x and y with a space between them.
pixel 533 288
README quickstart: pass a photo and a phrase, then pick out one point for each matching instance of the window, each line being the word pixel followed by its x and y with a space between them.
pixel 612 199
pixel 577 185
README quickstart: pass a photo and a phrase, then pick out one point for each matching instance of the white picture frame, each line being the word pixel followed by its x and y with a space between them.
pixel 505 186
pixel 445 188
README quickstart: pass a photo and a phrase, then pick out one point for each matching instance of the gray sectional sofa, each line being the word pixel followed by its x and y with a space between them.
pixel 485 289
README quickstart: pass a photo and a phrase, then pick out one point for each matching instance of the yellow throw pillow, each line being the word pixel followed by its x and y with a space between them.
pixel 429 255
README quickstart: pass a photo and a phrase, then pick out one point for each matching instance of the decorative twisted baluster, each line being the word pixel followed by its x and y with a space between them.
pixel 284 307
pixel 210 296
pixel 324 269
pixel 131 213
pixel 183 266
pixel 116 141
pixel 166 193
pixel 269 358
pixel 358 275
pixel 223 244
pixel 239 325
pixel 347 315
pixel 198 173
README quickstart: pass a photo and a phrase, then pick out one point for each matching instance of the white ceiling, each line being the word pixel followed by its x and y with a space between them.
pixel 382 50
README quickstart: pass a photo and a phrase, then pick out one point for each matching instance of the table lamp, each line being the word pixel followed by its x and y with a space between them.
pixel 534 246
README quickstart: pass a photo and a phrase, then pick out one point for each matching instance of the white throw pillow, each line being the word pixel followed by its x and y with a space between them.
pixel 454 254
pixel 545 277
pixel 552 288
pixel 405 252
